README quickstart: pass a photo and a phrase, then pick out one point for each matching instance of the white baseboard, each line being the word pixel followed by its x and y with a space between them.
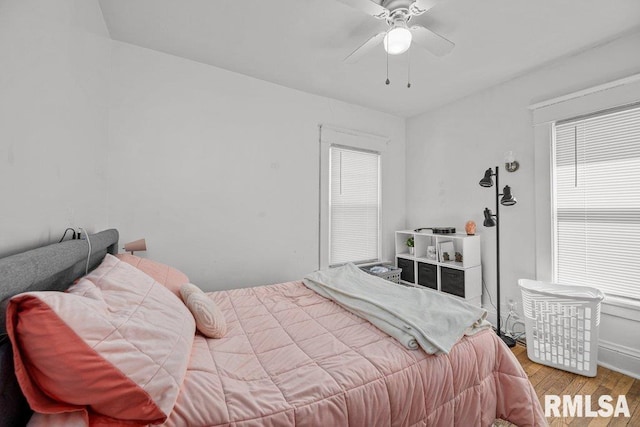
pixel 619 358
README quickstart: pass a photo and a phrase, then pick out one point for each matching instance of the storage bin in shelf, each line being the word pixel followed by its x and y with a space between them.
pixel 562 325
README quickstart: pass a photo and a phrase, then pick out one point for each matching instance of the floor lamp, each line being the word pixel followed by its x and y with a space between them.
pixel 493 220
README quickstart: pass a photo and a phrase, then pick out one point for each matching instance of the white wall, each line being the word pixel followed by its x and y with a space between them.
pixel 53 120
pixel 448 150
pixel 219 171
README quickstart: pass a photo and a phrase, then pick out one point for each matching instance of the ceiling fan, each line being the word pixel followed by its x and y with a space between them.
pixel 398 37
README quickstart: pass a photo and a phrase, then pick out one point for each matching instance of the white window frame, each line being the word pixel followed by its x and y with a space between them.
pixel 545 114
pixel 554 198
pixel 348 139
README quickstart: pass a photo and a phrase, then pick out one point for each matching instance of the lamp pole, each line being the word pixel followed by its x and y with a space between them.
pixel 491 220
pixel 498 251
pixel 510 342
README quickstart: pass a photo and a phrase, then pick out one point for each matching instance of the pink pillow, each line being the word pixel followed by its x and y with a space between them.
pixel 168 276
pixel 115 346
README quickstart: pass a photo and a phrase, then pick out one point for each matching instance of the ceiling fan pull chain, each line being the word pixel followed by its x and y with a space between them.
pixel 409 68
pixel 387 81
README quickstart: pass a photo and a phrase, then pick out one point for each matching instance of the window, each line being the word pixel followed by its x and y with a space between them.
pixel 354 205
pixel 596 205
pixel 350 199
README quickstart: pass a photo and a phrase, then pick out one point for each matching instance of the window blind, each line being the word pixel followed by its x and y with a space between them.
pixel 354 205
pixel 597 202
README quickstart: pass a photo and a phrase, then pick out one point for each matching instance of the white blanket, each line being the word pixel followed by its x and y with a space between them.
pixel 415 317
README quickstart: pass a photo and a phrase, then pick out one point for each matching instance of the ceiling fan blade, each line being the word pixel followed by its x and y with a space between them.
pixel 431 41
pixel 421 6
pixel 368 7
pixel 365 48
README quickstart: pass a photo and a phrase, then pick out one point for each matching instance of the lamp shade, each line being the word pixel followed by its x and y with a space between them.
pixel 136 246
pixel 487 181
pixel 507 198
pixel 397 40
pixel 489 220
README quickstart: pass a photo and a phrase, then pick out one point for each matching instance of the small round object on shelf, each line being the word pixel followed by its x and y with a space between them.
pixel 470 228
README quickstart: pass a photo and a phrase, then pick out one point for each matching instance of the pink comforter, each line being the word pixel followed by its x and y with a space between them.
pixel 292 357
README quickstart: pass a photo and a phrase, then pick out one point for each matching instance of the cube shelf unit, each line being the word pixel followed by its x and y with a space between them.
pixel 462 279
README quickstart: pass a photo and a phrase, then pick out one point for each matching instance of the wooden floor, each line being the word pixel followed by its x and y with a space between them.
pixel 547 380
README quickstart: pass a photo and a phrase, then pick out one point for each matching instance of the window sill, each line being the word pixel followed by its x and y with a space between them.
pixel 621 307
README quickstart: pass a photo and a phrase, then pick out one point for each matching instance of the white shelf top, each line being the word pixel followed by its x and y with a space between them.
pixel 430 233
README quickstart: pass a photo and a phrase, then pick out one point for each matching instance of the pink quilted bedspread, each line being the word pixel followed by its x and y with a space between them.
pixel 292 357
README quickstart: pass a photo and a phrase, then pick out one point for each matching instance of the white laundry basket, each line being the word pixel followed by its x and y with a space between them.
pixel 561 325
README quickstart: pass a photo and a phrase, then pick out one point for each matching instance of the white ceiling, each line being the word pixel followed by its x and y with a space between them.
pixel 301 43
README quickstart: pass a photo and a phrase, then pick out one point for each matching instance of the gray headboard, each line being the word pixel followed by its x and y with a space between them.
pixel 49 268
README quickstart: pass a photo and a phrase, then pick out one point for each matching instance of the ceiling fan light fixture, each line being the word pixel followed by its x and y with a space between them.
pixel 397 40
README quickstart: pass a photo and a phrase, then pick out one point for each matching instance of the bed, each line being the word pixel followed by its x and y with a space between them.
pixel 289 357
